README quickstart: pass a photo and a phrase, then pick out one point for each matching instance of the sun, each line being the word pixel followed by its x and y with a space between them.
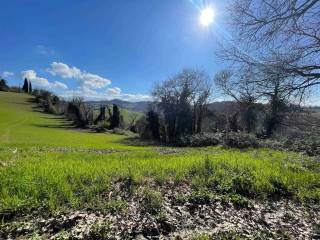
pixel 207 16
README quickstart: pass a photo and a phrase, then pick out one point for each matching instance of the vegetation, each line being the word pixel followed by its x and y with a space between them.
pixel 57 156
pixel 3 85
pixel 182 103
pixel 55 167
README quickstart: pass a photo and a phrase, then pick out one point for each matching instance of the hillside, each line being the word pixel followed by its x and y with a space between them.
pixel 226 107
pixel 142 106
pixel 63 183
pixel 23 125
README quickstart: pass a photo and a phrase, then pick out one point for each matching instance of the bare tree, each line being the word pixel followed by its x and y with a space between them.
pixel 244 91
pixel 283 35
pixel 182 101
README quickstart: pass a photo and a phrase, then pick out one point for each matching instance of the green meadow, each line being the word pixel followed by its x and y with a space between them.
pixel 46 163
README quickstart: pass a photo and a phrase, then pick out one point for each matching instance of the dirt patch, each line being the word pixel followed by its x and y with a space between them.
pixel 174 219
pixel 167 150
pixel 76 150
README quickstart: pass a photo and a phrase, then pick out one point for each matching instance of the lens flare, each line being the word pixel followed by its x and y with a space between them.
pixel 207 16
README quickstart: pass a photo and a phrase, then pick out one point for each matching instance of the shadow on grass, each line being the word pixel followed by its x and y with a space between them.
pixel 55 126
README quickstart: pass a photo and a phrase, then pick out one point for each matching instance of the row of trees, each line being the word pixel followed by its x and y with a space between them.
pixel 272 63
pixel 81 114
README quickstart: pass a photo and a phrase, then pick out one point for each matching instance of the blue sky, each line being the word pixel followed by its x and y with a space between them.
pixel 102 49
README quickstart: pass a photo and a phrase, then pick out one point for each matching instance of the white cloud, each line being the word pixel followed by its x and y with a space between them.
pixel 136 97
pixel 114 90
pixel 90 80
pixel 7 74
pixel 59 85
pixel 63 70
pixel 90 84
pixel 45 50
pixel 92 95
pixel 31 75
pixel 93 80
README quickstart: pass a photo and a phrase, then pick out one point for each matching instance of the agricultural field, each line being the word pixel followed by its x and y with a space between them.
pixel 59 182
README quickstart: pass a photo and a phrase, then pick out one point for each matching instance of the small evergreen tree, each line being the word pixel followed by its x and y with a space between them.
pixel 30 88
pixel 25 87
pixel 3 85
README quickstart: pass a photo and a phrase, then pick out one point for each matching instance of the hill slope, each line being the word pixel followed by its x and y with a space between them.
pixel 21 124
pixel 142 106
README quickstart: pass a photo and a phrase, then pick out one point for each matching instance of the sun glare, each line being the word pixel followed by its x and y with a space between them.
pixel 206 17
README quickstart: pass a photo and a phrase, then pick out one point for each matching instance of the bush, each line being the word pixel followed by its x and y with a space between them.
pixel 309 145
pixel 101 127
pixel 240 140
pixel 199 140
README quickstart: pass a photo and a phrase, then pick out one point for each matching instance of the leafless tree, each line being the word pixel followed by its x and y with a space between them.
pixel 241 87
pixel 282 35
pixel 182 100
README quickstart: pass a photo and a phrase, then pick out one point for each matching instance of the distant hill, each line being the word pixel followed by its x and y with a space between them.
pixel 227 107
pixel 142 106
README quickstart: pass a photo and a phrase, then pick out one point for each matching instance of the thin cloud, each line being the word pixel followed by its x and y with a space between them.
pixel 114 90
pixel 6 74
pixel 43 50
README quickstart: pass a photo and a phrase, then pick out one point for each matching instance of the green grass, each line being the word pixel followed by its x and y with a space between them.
pixel 41 175
pixel 21 126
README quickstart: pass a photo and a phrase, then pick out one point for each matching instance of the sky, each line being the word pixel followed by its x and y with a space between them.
pixel 103 49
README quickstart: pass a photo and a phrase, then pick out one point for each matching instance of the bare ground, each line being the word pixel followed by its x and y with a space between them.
pixel 174 219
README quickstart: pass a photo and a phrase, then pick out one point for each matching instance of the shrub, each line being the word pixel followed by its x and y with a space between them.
pixel 101 127
pixel 199 140
pixel 240 140
pixel 309 145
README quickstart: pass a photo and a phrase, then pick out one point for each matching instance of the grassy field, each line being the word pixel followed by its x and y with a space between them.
pixel 45 163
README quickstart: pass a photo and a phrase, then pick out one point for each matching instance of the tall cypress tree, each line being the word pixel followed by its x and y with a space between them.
pixel 30 88
pixel 115 118
pixel 25 87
